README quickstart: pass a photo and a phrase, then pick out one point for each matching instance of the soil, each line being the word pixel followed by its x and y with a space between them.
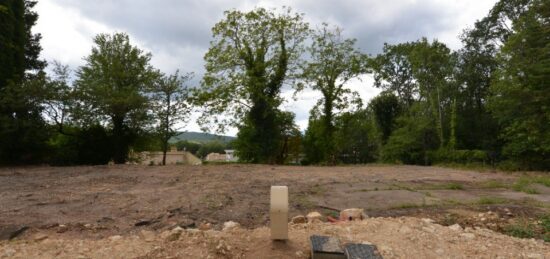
pixel 403 237
pixel 71 204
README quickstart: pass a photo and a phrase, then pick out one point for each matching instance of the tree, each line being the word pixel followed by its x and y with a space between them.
pixel 356 140
pixel 386 109
pixel 252 55
pixel 392 71
pixel 333 62
pixel 112 88
pixel 415 135
pixel 520 95
pixel 22 129
pixel 170 107
pixel 433 68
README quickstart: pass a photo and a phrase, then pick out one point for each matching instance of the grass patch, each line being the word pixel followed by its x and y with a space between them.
pixel 523 184
pixel 493 184
pixel 491 201
pixel 453 186
pixel 442 186
pixel 520 230
pixel 531 228
pixel 480 167
pixel 317 190
pixel 302 202
pixel 408 206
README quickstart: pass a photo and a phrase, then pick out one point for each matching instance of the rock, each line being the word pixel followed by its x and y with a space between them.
pixel 172 235
pixel 177 229
pixel 300 219
pixel 115 238
pixel 535 256
pixel 40 237
pixel 229 225
pixel 313 217
pixel 9 252
pixel 192 231
pixel 468 235
pixel 205 226
pixel 428 221
pixel 352 214
pixel 405 230
pixel 299 253
pixel 62 228
pixel 88 226
pixel 149 236
pixel 456 227
pixel 429 229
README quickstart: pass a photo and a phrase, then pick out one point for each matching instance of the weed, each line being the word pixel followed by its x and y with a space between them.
pixel 524 182
pixel 408 206
pixel 520 230
pixel 493 184
pixel 491 200
pixel 453 186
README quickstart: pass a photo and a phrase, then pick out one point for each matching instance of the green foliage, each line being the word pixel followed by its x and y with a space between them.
pixel 251 56
pixel 169 102
pixel 23 131
pixel 333 62
pixel 458 156
pixel 386 109
pixel 112 86
pixel 392 71
pixel 520 90
pixel 189 146
pixel 89 146
pixel 525 183
pixel 211 147
pixel 415 136
pixel 356 139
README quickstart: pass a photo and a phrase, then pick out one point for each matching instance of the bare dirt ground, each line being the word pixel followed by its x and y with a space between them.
pixel 51 206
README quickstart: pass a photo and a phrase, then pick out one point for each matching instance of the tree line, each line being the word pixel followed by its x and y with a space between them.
pixel 487 102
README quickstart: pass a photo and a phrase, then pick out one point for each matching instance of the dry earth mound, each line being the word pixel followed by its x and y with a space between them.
pixel 403 237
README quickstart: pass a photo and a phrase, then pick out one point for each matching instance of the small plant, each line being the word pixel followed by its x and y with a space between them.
pixel 520 230
pixel 454 186
pixel 492 184
pixel 490 200
pixel 523 184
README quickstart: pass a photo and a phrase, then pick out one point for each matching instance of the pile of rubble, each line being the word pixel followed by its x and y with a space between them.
pixel 403 237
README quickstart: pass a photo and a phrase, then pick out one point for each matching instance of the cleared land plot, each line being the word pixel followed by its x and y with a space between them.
pixel 100 201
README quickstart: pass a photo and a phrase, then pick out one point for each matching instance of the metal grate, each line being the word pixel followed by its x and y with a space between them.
pixel 361 251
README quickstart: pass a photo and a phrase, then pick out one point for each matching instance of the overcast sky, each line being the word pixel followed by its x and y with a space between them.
pixel 177 32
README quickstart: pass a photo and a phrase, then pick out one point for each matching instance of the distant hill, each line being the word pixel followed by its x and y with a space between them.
pixel 200 137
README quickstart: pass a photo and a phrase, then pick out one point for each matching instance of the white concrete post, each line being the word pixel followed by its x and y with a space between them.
pixel 279 212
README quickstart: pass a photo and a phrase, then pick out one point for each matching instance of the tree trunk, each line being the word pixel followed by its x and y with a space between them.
pixel 120 149
pixel 164 150
pixel 452 138
pixel 328 131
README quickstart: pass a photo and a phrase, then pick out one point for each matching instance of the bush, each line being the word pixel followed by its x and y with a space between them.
pixel 458 156
pixel 91 146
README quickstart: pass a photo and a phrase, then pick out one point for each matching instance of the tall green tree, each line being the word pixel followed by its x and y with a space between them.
pixel 433 68
pixel 333 62
pixel 521 97
pixel 250 58
pixel 112 88
pixel 170 107
pixel 386 108
pixel 392 71
pixel 22 129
